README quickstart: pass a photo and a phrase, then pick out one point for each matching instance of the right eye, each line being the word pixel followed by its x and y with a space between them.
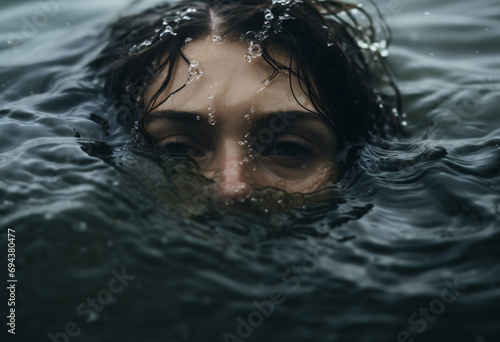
pixel 180 146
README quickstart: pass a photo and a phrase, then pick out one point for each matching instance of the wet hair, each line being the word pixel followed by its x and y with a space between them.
pixel 330 53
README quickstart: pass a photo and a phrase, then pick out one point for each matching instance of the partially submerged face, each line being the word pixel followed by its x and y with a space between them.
pixel 243 132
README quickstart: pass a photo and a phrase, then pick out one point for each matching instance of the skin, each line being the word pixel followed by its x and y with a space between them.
pixel 262 136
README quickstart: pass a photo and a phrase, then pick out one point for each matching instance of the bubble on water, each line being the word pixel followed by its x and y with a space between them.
pixel 80 226
pixel 217 39
pixel 194 71
pixel 188 41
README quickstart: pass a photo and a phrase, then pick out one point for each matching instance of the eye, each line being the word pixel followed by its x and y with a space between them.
pixel 176 148
pixel 180 147
pixel 287 149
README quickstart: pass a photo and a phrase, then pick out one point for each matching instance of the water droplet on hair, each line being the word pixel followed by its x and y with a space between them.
pixel 188 41
pixel 198 117
pixel 268 15
pixel 267 82
pixel 254 50
pixel 241 143
pixel 329 41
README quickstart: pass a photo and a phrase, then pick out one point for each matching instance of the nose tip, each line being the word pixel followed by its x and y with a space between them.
pixel 231 183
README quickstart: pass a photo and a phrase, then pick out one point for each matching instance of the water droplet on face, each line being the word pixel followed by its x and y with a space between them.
pixel 211 119
pixel 188 41
pixel 241 143
pixel 194 71
pixel 247 117
pixel 217 39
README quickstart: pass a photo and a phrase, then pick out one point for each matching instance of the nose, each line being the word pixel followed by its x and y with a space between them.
pixel 232 181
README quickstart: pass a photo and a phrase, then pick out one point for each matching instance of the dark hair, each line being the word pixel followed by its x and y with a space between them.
pixel 329 54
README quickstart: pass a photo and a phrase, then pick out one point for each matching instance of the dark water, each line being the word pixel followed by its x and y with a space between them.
pixel 405 247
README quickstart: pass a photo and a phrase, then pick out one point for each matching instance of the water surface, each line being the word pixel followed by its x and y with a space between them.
pixel 409 220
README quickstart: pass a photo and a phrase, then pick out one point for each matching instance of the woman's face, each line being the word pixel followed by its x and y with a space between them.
pixel 243 132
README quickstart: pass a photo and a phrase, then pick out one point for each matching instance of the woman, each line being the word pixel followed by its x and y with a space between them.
pixel 257 92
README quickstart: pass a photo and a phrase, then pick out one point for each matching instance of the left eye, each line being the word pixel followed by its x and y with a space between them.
pixel 177 149
pixel 287 149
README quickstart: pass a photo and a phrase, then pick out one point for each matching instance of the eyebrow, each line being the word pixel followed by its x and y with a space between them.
pixel 178 116
pixel 263 120
pixel 285 118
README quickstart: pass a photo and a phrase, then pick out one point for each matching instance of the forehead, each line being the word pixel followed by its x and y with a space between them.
pixel 229 80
